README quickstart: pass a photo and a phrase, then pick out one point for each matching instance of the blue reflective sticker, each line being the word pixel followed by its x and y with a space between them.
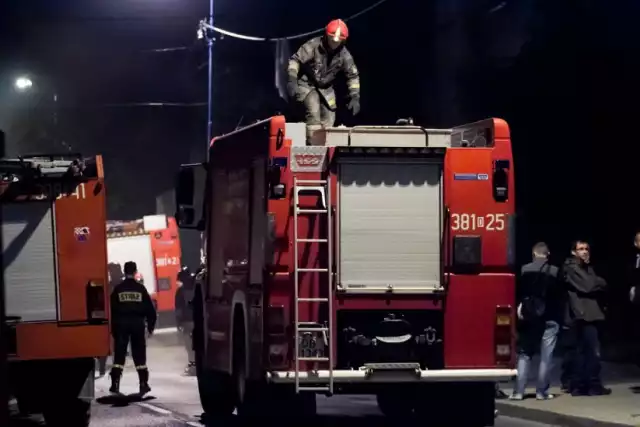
pixel 465 176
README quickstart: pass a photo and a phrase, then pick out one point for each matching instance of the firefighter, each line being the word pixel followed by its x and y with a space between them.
pixel 184 315
pixel 131 305
pixel 311 74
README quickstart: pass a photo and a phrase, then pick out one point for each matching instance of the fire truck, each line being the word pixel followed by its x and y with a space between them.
pixel 153 243
pixel 377 260
pixel 54 264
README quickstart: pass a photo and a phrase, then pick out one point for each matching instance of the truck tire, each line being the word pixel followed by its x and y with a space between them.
pixel 477 399
pixel 394 404
pixel 69 412
pixel 213 386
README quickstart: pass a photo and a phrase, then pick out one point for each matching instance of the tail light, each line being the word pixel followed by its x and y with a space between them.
pixel 503 335
pixel 96 306
pixel 276 328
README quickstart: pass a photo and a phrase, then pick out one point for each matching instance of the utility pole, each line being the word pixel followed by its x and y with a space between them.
pixel 210 85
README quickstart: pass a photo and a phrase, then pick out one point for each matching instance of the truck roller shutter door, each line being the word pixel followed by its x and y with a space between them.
pixel 390 225
pixel 29 261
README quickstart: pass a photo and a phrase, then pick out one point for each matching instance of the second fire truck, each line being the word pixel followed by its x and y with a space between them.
pixel 378 261
pixel 153 243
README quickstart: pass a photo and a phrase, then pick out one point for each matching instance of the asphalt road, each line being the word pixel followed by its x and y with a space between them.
pixel 173 401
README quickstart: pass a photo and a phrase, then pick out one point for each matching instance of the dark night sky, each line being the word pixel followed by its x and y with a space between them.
pixel 562 73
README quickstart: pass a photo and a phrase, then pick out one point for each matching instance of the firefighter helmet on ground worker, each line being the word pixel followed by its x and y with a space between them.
pixel 337 30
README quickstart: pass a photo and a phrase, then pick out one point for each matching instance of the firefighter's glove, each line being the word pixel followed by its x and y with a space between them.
pixel 354 105
pixel 292 90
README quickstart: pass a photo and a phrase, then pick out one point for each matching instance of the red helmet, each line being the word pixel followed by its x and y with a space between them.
pixel 337 30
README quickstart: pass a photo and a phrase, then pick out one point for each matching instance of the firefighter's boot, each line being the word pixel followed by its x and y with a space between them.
pixel 143 375
pixel 115 374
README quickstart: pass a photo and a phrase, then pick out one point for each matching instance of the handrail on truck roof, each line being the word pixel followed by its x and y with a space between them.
pixel 49 166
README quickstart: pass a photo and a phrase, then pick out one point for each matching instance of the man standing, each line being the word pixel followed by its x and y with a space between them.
pixel 539 297
pixel 184 315
pixel 586 314
pixel 312 71
pixel 131 306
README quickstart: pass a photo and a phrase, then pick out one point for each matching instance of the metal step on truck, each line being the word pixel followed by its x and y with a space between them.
pixel 379 260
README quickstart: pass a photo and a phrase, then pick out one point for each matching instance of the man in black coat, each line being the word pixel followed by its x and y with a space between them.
pixel 184 315
pixel 585 315
pixel 540 301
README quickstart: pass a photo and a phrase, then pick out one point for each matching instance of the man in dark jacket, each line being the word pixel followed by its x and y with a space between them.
pixel 312 71
pixel 585 314
pixel 634 273
pixel 184 315
pixel 131 306
pixel 539 296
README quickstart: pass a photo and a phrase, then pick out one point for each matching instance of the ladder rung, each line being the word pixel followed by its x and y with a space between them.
pixel 311 181
pixel 313 240
pixel 313 270
pixel 313 299
pixel 303 388
pixel 311 211
pixel 313 329
pixel 313 359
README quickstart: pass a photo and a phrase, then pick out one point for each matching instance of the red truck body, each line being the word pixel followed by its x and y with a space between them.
pixel 55 281
pixel 380 257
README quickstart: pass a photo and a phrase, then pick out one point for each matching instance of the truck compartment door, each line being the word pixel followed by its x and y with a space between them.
pixel 390 221
pixel 29 261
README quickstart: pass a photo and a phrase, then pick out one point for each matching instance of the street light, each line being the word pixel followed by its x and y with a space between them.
pixel 23 83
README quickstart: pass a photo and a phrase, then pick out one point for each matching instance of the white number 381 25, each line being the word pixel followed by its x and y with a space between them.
pixel 471 222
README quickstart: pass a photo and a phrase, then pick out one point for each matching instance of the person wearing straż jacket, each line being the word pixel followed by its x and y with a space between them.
pixel 132 312
pixel 586 314
pixel 312 71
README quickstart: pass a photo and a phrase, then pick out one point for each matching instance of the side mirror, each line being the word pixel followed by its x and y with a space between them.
pixel 189 192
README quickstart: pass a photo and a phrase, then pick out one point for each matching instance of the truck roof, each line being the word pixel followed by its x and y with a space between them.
pixel 49 166
pixel 473 135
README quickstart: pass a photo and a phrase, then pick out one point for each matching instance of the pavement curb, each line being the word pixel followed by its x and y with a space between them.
pixel 552 418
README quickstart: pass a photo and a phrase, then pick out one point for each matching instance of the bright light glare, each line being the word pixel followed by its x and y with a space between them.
pixel 23 83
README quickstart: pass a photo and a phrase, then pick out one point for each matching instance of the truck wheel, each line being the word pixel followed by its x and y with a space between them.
pixel 213 386
pixel 68 412
pixel 477 399
pixel 394 404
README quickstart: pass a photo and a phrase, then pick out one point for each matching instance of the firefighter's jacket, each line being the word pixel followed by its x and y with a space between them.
pixel 131 304
pixel 314 66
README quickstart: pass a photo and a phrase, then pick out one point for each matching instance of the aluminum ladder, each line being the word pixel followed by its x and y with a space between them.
pixel 322 188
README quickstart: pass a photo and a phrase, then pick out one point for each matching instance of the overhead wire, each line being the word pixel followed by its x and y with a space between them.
pixel 292 37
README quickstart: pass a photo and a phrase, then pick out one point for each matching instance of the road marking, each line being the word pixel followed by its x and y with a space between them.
pixel 155 408
pixel 164 331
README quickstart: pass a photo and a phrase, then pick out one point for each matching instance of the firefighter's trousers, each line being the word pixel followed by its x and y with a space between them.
pixel 133 331
pixel 187 330
pixel 318 115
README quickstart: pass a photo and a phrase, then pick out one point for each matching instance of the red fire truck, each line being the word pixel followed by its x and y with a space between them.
pixel 153 243
pixel 54 264
pixel 379 260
